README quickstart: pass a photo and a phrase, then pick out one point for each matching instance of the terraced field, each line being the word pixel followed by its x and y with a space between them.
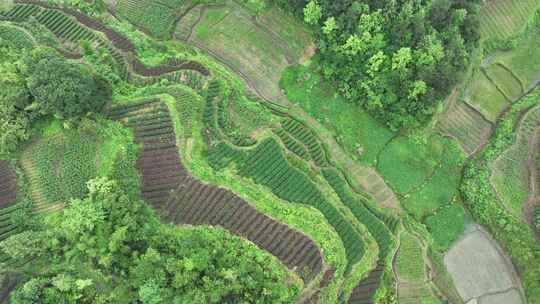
pixel 465 124
pixel 410 266
pixel 72 27
pixel 504 18
pixel 183 199
pixel 256 52
pixel 193 121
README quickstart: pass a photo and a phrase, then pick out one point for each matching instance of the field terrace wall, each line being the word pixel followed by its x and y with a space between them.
pixel 183 199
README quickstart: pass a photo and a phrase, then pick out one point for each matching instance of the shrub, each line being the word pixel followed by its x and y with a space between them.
pixel 62 88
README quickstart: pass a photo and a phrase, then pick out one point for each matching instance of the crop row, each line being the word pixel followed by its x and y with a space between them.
pixel 266 165
pixel 304 135
pixel 21 12
pixel 153 71
pixel 65 27
pixel 382 235
pixel 157 19
pixel 292 144
pixel 169 187
pixel 198 203
pixel 364 292
pixel 8 185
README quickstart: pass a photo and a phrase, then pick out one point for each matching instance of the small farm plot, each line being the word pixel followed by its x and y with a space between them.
pixel 366 288
pixel 8 203
pixel 410 267
pixel 466 125
pixel 505 18
pixel 183 199
pixel 159 161
pixel 510 170
pixel 58 167
pixel 158 18
pixel 484 96
pixel 505 79
pixel 231 34
pixel 523 60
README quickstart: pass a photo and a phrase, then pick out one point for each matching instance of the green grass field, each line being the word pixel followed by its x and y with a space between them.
pixel 354 129
pixel 484 96
pixel 441 187
pixel 406 164
pixel 504 78
pixel 446 225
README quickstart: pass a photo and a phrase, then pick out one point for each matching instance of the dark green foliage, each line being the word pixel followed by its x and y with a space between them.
pixel 14 99
pixel 62 88
pixel 40 83
pixel 398 59
pixel 376 227
pixel 305 136
pixel 293 145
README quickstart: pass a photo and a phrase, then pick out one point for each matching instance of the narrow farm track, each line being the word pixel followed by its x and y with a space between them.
pixel 183 199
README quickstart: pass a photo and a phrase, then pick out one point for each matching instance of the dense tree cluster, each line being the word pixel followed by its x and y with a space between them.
pixel 398 59
pixel 42 83
pixel 111 248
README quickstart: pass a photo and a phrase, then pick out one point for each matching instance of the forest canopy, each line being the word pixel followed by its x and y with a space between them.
pixel 398 59
pixel 41 83
pixel 109 247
